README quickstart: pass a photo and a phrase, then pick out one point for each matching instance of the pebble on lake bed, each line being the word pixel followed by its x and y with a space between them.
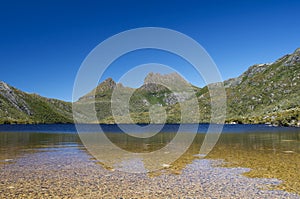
pixel 166 165
pixel 288 151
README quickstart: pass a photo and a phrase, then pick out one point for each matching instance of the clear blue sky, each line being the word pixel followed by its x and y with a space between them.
pixel 42 43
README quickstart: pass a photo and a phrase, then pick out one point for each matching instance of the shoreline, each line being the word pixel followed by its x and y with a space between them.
pixel 204 123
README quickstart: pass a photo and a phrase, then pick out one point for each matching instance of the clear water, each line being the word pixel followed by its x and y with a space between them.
pixel 269 152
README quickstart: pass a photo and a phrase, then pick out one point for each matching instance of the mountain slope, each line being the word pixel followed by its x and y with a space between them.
pixel 267 92
pixel 20 107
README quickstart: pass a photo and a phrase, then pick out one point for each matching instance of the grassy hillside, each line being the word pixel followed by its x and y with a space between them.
pixel 20 107
pixel 267 93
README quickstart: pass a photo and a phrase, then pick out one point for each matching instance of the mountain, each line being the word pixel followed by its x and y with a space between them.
pixel 156 90
pixel 20 107
pixel 265 93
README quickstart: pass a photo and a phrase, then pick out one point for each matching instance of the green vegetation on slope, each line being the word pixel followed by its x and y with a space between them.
pixel 20 107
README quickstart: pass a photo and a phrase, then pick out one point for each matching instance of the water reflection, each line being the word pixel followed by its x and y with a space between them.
pixel 16 144
pixel 271 154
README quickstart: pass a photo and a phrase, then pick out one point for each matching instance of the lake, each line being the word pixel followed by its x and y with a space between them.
pixel 248 161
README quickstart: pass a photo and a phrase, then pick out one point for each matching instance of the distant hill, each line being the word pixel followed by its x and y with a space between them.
pixel 20 107
pixel 265 93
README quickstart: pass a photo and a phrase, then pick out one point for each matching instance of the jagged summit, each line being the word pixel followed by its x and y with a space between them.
pixel 106 85
pixel 3 86
pixel 157 77
pixel 153 82
pixel 171 81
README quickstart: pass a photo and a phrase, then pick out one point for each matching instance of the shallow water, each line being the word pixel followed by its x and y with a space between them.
pixel 50 160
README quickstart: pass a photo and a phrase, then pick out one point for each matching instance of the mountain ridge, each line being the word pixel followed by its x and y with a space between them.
pixel 264 93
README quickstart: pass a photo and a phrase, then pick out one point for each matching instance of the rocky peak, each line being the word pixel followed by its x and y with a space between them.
pixel 293 58
pixel 172 81
pixel 101 90
pixel 253 70
pixel 107 85
pixel 8 93
pixel 4 86
pixel 157 77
